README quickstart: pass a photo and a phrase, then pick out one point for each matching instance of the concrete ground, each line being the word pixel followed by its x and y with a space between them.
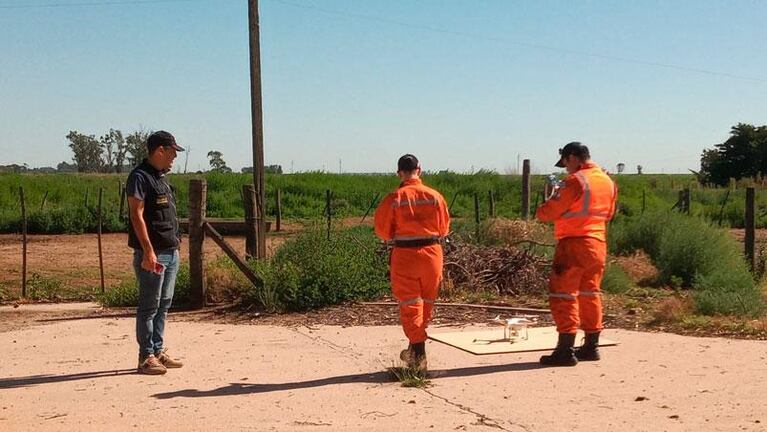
pixel 78 375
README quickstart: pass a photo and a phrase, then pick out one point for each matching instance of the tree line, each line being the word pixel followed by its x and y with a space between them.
pixel 742 155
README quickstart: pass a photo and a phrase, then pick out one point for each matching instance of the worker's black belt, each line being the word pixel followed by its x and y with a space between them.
pixel 416 243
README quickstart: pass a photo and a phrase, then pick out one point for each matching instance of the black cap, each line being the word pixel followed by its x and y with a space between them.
pixel 575 149
pixel 162 138
pixel 407 163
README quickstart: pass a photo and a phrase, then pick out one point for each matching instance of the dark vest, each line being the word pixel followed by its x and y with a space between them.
pixel 159 211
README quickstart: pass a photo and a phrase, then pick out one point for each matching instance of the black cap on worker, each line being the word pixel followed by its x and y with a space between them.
pixel 407 163
pixel 161 139
pixel 575 149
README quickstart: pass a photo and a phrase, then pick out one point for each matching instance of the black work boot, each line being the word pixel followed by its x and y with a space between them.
pixel 563 354
pixel 589 351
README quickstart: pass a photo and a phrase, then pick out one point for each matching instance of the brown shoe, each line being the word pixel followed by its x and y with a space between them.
pixel 167 361
pixel 149 365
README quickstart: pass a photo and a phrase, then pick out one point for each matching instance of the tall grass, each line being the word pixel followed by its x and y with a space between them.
pixel 304 196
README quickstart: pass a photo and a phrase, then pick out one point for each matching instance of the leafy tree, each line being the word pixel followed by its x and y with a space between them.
pixel 136 146
pixel 87 151
pixel 217 162
pixel 115 149
pixel 744 154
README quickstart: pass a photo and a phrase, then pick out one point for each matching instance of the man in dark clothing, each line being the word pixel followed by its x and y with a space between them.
pixel 154 237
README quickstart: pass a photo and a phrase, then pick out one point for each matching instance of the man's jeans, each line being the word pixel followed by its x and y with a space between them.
pixel 155 294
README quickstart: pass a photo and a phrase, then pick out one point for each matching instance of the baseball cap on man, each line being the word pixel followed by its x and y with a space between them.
pixel 407 163
pixel 162 138
pixel 575 149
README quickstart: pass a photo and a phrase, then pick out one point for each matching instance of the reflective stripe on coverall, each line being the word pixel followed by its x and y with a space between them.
pixel 580 210
pixel 414 212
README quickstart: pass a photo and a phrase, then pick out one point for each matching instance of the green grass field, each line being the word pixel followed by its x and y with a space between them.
pixel 66 203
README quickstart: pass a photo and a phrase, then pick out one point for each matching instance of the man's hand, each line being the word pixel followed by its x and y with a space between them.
pixel 149 261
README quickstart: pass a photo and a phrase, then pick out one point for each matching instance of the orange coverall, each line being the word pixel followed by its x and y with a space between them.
pixel 579 210
pixel 414 213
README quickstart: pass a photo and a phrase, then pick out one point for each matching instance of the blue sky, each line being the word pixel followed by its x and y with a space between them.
pixel 462 84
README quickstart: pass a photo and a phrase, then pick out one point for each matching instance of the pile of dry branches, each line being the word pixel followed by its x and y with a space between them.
pixel 504 270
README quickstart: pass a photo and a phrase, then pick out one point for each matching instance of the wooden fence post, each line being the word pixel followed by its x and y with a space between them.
pixel 24 243
pixel 750 227
pixel 87 193
pixel 197 198
pixel 490 204
pixel 101 256
pixel 526 189
pixel 686 197
pixel 123 192
pixel 278 216
pixel 248 194
pixel 644 200
pixel 476 208
pixel 721 210
pixel 328 211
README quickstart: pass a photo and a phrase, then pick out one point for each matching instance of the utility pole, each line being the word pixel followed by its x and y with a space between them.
pixel 186 157
pixel 339 166
pixel 257 120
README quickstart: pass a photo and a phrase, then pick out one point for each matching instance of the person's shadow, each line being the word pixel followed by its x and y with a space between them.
pixel 234 389
pixel 33 380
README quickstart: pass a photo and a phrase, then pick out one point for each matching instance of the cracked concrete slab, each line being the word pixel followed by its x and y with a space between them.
pixel 79 375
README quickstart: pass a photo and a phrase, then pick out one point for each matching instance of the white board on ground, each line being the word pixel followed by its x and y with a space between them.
pixel 491 341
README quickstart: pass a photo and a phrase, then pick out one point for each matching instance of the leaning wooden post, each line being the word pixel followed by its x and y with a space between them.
pixel 490 204
pixel 278 216
pixel 251 226
pixel 42 203
pixel 450 207
pixel 370 207
pixel 526 189
pixel 101 256
pixel 197 198
pixel 24 243
pixel 750 227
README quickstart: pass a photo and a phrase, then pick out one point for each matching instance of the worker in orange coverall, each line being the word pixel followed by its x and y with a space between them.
pixel 579 209
pixel 414 219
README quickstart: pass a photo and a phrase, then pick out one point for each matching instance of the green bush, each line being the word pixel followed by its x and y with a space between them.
pixel 727 291
pixel 123 295
pixel 312 271
pixel 690 253
pixel 615 280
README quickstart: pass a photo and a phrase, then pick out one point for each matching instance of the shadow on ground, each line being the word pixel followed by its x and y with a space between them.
pixel 235 389
pixel 33 380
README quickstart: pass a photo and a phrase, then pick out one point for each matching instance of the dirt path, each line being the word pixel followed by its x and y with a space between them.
pixel 77 374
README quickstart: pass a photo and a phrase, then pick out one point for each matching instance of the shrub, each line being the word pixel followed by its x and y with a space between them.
pixel 727 291
pixel 688 252
pixel 312 271
pixel 615 279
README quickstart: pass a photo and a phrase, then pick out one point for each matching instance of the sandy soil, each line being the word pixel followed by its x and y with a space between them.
pixel 74 259
pixel 79 375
